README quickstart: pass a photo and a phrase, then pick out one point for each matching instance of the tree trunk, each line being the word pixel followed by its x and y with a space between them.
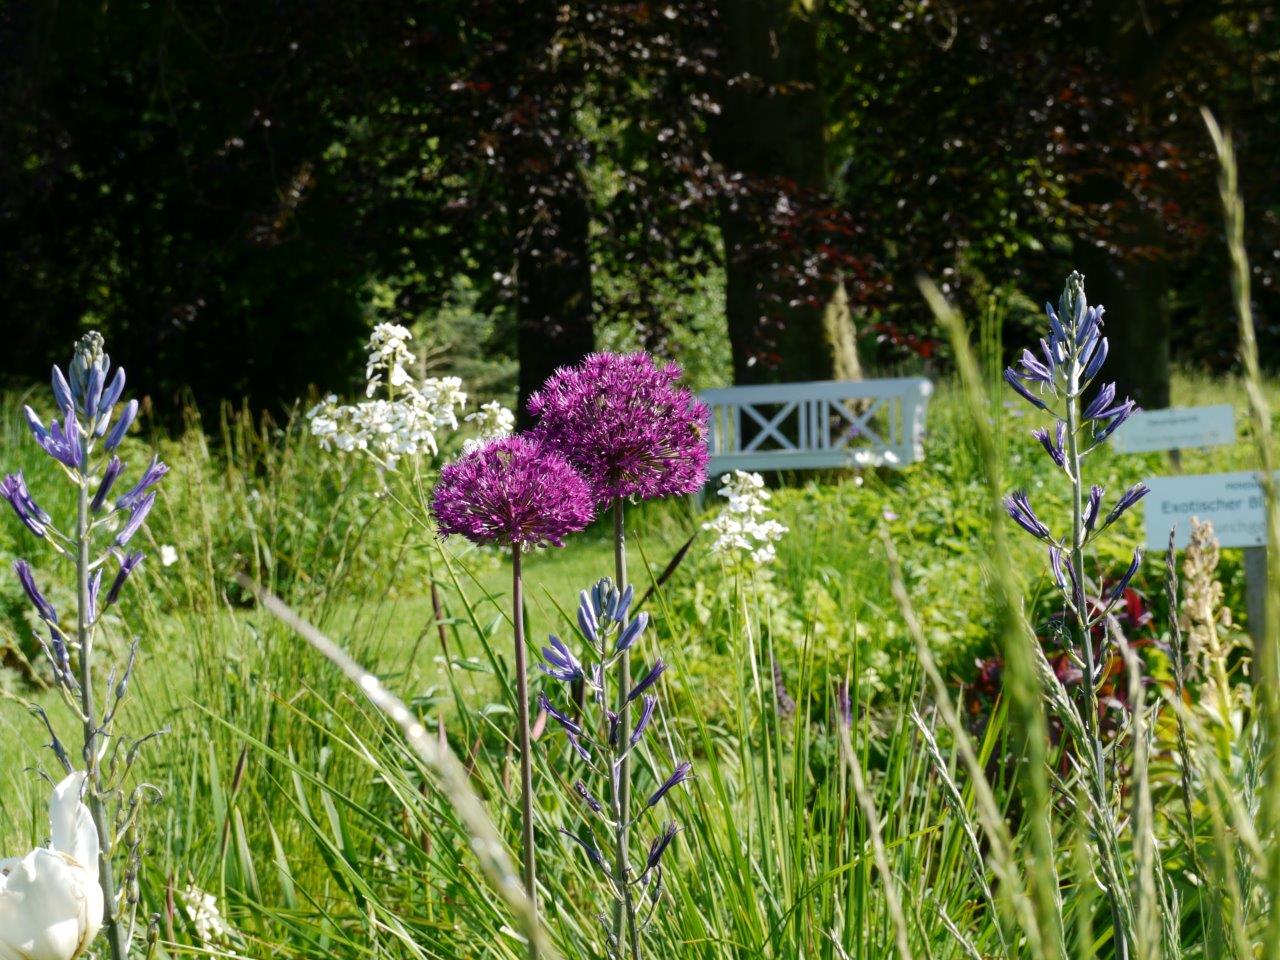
pixel 555 311
pixel 772 131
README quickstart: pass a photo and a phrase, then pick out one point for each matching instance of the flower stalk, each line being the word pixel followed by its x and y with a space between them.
pixel 624 914
pixel 526 766
pixel 116 931
pixel 1056 382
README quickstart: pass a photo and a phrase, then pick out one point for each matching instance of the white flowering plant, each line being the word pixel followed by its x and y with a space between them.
pixel 744 530
pixel 410 417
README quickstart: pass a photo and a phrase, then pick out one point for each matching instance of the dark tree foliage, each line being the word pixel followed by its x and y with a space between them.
pixel 580 126
pixel 186 177
pixel 221 186
pixel 989 142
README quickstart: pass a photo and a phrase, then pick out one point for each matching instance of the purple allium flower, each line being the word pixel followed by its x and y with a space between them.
pixel 682 772
pixel 14 489
pixel 563 664
pixel 624 422
pixel 28 581
pixel 513 491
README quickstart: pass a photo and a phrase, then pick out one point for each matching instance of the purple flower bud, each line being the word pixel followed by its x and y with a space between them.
pixel 127 566
pixel 136 519
pixel 66 445
pixel 1011 377
pixel 1127 500
pixel 581 790
pixel 659 846
pixel 1118 591
pixel 93 394
pixel 61 390
pixel 43 606
pixel 1092 506
pixel 1056 331
pixel 14 489
pixel 1097 408
pixel 35 425
pixel 109 397
pixel 563 664
pixel 1094 363
pixel 1118 415
pixel 122 426
pixel 646 715
pixel 1053 449
pixel 844 704
pixel 588 845
pixel 682 772
pixel 647 681
pixel 587 620
pixel 95 587
pixel 564 720
pixel 109 476
pixel 150 476
pixel 574 742
pixel 631 633
pixel 1019 508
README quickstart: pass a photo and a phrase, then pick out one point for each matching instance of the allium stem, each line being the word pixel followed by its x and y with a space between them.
pixel 624 916
pixel 117 935
pixel 526 764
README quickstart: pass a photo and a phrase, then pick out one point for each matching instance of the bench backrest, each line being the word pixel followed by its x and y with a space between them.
pixel 825 423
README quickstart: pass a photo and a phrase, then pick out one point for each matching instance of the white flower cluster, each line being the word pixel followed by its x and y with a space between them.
pixel 491 421
pixel 211 927
pixel 407 421
pixel 389 353
pixel 743 529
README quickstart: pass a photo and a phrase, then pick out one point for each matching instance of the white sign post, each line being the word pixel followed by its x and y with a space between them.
pixel 1179 428
pixel 1234 504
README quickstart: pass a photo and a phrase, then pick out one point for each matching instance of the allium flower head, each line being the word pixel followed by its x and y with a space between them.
pixel 626 424
pixel 512 491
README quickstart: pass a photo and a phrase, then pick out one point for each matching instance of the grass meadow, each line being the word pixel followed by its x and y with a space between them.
pixel 283 794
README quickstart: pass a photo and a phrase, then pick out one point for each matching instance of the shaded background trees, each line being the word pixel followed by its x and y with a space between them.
pixel 233 189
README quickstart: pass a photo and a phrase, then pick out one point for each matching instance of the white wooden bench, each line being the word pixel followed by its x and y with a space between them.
pixel 826 423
